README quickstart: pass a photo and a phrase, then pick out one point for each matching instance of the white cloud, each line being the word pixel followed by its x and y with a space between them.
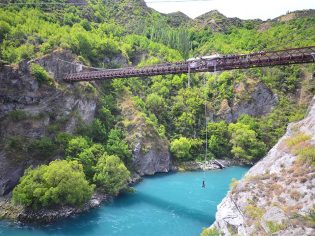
pixel 244 9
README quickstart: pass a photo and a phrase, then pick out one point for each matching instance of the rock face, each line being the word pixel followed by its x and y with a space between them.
pixel 207 165
pixel 150 151
pixel 277 194
pixel 29 110
pixel 251 97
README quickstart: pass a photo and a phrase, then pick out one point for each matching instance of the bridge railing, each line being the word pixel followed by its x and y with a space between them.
pixel 220 63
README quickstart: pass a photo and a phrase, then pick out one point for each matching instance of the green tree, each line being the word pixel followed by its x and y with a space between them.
pixel 245 144
pixel 97 131
pixel 181 148
pixel 59 183
pixel 218 142
pixel 88 158
pixel 111 175
pixel 41 74
pixel 116 145
pixel 42 148
pixel 76 146
pixel 155 103
pixel 4 30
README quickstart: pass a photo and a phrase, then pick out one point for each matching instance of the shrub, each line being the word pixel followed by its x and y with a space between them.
pixel 307 154
pixel 218 142
pixel 56 184
pixel 16 144
pixel 17 115
pixel 245 142
pixel 111 175
pixel 210 232
pixel 88 158
pixel 297 139
pixel 116 145
pixel 181 148
pixel 41 74
pixel 274 227
pixel 62 139
pixel 233 183
pixel 79 150
pixel 76 146
pixel 4 29
pixel 155 103
pixel 299 145
pixel 96 131
pixel 42 148
pixel 254 212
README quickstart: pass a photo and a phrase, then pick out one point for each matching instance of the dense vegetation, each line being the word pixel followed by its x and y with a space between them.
pixel 97 34
pixel 59 183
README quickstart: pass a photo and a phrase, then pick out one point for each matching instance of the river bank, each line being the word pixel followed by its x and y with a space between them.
pixel 164 204
pixel 45 216
pixel 207 165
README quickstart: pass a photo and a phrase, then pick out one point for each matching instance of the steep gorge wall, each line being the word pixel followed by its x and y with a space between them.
pixel 277 194
pixel 29 110
pixel 150 150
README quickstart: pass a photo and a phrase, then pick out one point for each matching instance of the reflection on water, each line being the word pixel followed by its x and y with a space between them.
pixel 166 204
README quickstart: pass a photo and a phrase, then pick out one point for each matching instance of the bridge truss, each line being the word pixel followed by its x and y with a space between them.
pixel 204 64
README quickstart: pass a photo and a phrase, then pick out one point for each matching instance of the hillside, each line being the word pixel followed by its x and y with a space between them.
pixel 275 196
pixel 144 125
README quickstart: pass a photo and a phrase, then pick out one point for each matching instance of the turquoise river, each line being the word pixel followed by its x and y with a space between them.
pixel 166 204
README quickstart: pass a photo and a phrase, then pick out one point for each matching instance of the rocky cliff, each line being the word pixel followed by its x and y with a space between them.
pixel 30 111
pixel 277 195
pixel 150 150
pixel 251 97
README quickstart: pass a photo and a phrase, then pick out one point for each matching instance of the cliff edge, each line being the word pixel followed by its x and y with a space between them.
pixel 277 195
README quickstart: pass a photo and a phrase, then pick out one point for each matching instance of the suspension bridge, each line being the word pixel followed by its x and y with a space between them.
pixel 204 64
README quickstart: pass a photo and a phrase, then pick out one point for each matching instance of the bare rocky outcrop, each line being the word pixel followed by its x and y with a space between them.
pixel 277 195
pixel 150 150
pixel 251 97
pixel 29 110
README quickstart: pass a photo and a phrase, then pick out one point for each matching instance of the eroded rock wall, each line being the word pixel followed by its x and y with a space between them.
pixel 29 110
pixel 277 195
pixel 150 150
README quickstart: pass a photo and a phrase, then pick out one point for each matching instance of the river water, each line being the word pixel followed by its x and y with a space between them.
pixel 166 204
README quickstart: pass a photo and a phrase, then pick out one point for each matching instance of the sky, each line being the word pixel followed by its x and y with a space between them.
pixel 244 9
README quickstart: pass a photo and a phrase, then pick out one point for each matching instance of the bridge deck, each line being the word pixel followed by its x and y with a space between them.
pixel 221 63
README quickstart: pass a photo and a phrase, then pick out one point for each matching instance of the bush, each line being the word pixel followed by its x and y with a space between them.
pixel 297 139
pixel 96 131
pixel 42 148
pixel 300 145
pixel 254 212
pixel 307 154
pixel 88 158
pixel 76 146
pixel 274 227
pixel 155 103
pixel 59 183
pixel 245 144
pixel 17 115
pixel 111 175
pixel 181 148
pixel 4 29
pixel 62 139
pixel 210 232
pixel 218 142
pixel 80 150
pixel 116 145
pixel 41 74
